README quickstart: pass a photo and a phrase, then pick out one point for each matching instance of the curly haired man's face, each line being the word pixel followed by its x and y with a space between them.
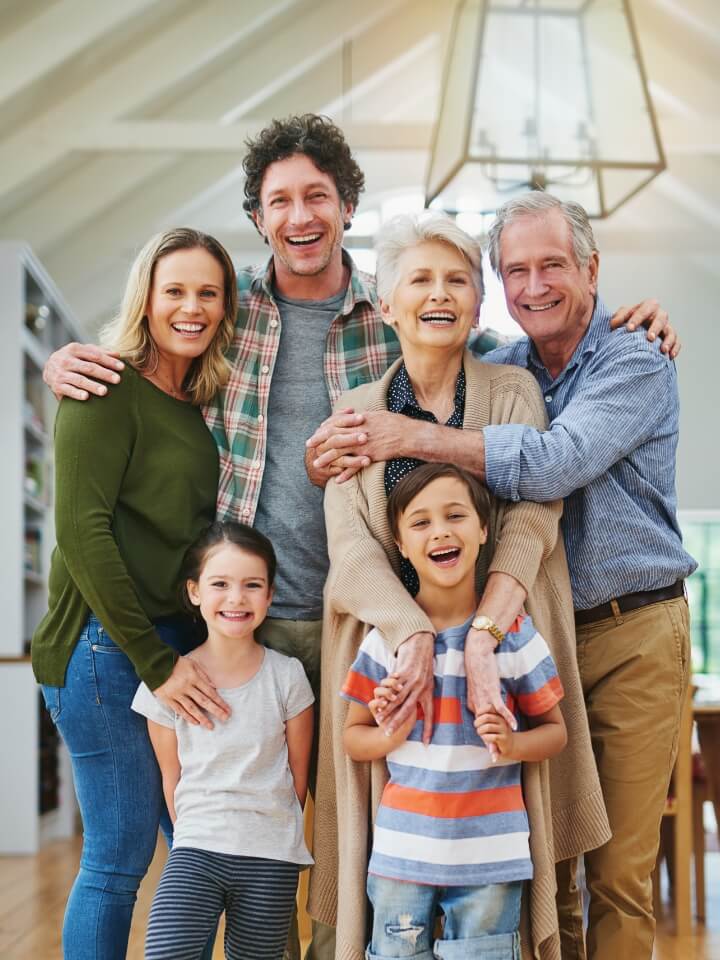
pixel 302 216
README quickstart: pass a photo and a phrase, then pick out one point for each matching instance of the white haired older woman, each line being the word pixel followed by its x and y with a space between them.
pixel 430 286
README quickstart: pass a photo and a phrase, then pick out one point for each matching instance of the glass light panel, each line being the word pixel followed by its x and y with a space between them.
pixel 555 98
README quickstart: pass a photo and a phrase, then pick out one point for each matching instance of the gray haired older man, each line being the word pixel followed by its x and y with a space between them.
pixel 613 407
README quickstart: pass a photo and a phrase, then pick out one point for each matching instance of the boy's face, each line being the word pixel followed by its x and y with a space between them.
pixel 440 533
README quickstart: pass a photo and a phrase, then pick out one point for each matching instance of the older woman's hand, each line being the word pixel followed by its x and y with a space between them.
pixel 414 684
pixel 372 436
pixel 483 680
pixel 189 693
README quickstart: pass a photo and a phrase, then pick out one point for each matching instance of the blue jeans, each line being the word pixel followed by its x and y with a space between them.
pixel 480 923
pixel 118 786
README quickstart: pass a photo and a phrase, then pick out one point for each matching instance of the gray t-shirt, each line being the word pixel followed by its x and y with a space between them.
pixel 236 793
pixel 290 508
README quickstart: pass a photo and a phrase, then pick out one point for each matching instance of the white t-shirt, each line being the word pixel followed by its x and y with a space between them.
pixel 236 793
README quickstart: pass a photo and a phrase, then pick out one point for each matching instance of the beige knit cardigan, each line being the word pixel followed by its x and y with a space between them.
pixel 563 798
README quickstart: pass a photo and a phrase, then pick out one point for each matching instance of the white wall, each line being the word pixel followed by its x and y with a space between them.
pixel 690 291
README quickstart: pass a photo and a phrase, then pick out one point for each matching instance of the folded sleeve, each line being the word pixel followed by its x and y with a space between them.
pixel 299 695
pixel 149 706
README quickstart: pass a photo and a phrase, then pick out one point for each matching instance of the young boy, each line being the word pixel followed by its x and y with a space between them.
pixel 451 830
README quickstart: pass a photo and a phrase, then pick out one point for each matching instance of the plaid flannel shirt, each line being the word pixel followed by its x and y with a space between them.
pixel 359 348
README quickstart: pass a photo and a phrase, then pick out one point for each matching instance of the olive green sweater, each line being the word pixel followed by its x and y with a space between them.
pixel 136 481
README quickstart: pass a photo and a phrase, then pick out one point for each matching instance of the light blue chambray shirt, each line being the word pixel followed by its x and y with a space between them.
pixel 609 453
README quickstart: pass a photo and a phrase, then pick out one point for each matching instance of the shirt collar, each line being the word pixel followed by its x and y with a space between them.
pixel 401 395
pixel 360 289
pixel 598 329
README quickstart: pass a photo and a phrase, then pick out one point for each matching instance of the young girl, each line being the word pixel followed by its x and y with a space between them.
pixel 235 793
pixel 451 831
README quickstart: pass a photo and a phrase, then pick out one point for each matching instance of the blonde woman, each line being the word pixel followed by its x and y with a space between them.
pixel 136 482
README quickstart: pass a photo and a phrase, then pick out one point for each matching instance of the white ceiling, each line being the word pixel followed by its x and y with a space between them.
pixel 117 120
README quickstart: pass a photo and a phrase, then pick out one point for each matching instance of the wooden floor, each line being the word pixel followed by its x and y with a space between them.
pixel 33 891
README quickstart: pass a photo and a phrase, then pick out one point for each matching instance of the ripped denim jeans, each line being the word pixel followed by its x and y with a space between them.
pixel 479 922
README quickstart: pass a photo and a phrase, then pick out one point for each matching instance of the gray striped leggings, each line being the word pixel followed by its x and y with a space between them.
pixel 257 896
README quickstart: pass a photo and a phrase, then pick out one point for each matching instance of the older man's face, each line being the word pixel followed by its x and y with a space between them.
pixel 549 295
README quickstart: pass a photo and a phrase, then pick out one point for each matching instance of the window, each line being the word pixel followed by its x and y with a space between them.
pixel 701 536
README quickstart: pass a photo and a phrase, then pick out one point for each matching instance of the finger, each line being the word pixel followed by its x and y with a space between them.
pixel 67 390
pixel 94 370
pixel 494 752
pixel 397 715
pixel 195 712
pixel 95 354
pixel 349 472
pixel 214 705
pixel 345 419
pixel 619 318
pixel 427 705
pixel 669 339
pixel 506 715
pixel 181 712
pixel 676 349
pixel 83 383
pixel 338 448
pixel 659 321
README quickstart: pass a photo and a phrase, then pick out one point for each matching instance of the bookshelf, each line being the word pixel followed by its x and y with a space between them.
pixel 34 765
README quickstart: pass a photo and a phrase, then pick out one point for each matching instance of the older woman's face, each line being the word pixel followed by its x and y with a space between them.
pixel 186 302
pixel 435 302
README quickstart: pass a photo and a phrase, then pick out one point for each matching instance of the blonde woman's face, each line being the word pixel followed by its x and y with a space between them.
pixel 186 303
pixel 435 302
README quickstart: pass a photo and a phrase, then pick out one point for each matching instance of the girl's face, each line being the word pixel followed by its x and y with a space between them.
pixel 233 592
pixel 186 303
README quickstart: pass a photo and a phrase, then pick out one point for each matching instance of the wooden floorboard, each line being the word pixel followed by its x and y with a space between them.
pixel 33 891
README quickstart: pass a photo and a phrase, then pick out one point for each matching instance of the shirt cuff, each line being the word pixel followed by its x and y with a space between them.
pixel 503 447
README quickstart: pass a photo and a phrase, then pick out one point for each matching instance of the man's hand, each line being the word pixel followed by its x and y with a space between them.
pixel 414 684
pixel 483 681
pixel 649 314
pixel 497 734
pixel 372 436
pixel 189 693
pixel 75 369
pixel 347 465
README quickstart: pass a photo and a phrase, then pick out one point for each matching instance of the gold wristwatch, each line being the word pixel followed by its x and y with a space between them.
pixel 485 623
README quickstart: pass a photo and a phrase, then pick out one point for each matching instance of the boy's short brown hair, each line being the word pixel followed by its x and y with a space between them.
pixel 411 485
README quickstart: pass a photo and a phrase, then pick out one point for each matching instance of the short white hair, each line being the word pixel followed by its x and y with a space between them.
pixel 405 231
pixel 535 204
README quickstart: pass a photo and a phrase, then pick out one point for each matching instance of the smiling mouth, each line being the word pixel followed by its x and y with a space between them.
pixel 188 329
pixel 304 241
pixel 236 615
pixel 540 307
pixel 445 557
pixel 439 318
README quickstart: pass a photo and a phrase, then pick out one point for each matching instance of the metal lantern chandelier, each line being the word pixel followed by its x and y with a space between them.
pixel 543 94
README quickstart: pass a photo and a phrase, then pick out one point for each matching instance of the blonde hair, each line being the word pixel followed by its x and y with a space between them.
pixel 128 332
pixel 408 230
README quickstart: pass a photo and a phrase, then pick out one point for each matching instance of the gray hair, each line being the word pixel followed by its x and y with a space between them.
pixel 535 204
pixel 405 231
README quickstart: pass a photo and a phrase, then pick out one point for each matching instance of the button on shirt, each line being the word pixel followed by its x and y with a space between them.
pixel 401 399
pixel 609 452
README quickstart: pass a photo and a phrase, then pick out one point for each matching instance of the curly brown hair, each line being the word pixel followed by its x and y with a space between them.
pixel 313 135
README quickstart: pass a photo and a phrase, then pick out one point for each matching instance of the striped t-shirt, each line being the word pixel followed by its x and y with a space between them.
pixel 449 816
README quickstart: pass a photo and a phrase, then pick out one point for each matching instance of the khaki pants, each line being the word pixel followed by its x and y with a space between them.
pixel 634 672
pixel 301 639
